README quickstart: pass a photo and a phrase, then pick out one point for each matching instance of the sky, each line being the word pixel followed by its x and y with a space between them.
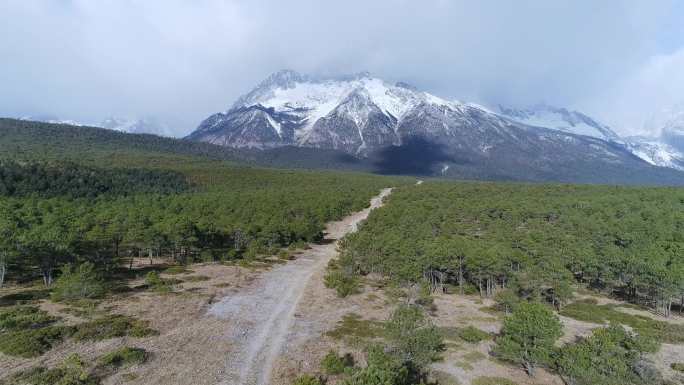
pixel 180 61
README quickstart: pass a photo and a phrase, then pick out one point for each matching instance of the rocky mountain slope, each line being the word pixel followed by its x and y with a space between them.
pixel 661 151
pixel 400 129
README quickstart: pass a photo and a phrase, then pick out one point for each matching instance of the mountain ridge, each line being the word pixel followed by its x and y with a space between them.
pixel 370 118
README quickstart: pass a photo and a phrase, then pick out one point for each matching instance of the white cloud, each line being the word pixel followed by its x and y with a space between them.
pixel 183 60
pixel 643 101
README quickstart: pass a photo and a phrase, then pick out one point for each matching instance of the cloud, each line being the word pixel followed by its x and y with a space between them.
pixel 182 61
pixel 642 102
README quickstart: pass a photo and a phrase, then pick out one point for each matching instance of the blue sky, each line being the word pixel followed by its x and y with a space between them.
pixel 179 61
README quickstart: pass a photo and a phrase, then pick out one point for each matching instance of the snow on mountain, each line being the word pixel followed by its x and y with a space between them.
pixel 51 119
pixel 311 99
pixel 561 119
pixel 403 129
pixel 655 152
pixel 299 110
pixel 129 125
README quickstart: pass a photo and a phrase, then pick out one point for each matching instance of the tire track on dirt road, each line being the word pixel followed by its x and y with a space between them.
pixel 263 313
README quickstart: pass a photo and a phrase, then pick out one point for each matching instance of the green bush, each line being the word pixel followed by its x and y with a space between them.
pixel 412 337
pixel 678 366
pixel 123 357
pixel 71 372
pixel 529 335
pixel 307 379
pixel 382 369
pixel 353 326
pixel 285 255
pixel 77 283
pixel 344 284
pixel 610 356
pixel 24 297
pixel 111 327
pixel 156 283
pixel 334 364
pixel 473 335
pixel 25 317
pixel 31 343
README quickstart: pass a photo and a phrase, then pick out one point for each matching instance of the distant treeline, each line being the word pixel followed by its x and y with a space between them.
pixel 77 181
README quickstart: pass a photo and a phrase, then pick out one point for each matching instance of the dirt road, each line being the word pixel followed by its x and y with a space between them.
pixel 262 314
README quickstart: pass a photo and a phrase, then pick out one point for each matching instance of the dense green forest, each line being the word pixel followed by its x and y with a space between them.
pixel 241 213
pixel 27 140
pixel 100 196
pixel 533 241
pixel 76 181
pixel 531 248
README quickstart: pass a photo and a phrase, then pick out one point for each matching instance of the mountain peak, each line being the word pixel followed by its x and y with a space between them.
pixel 284 78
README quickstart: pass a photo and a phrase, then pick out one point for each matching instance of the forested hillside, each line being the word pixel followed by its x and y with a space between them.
pixel 76 194
pixel 27 140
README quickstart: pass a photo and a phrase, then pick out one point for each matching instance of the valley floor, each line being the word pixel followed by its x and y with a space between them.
pixel 267 323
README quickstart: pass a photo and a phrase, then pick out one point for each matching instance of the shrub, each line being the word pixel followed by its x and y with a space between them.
pixel 678 366
pixel 344 284
pixel 111 327
pixel 71 372
pixel 307 379
pixel 529 335
pixel 473 335
pixel 31 343
pixel 77 283
pixel 123 357
pixel 412 337
pixel 24 297
pixel 506 300
pixel 610 356
pixel 26 317
pixel 154 281
pixel 382 369
pixel 352 325
pixel 285 255
pixel 334 364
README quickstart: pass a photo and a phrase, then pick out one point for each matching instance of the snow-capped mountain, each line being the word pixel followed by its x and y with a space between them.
pixel 353 113
pixel 667 148
pixel 393 123
pixel 136 126
pixel 656 151
pixel 574 122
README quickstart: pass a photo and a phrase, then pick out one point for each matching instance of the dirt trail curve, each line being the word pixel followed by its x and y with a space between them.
pixel 262 314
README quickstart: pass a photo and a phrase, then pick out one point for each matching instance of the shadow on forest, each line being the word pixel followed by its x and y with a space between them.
pixel 416 156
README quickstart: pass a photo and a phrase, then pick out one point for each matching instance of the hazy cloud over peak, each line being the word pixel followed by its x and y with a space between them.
pixel 181 61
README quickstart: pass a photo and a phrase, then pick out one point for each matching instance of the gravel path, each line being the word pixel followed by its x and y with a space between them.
pixel 263 313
